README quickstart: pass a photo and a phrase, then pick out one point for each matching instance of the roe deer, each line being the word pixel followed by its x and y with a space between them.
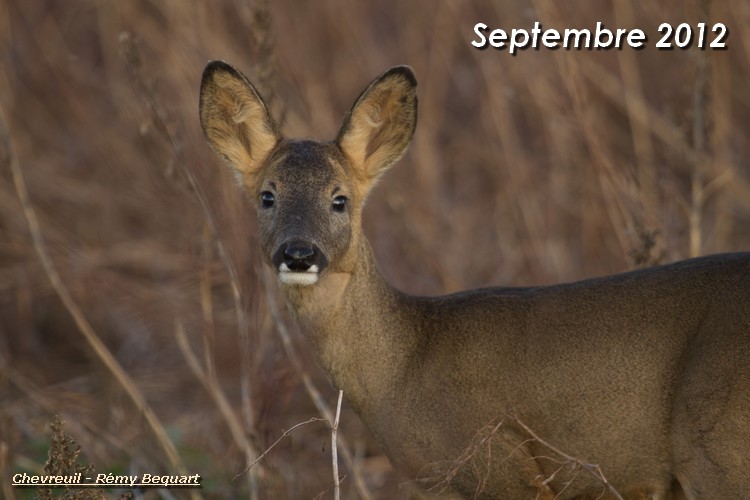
pixel 646 373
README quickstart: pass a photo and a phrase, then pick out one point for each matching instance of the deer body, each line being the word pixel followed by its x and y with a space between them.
pixel 646 374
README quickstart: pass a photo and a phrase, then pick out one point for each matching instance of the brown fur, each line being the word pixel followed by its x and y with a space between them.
pixel 646 374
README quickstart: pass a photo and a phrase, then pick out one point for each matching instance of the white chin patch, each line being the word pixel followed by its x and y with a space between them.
pixel 298 278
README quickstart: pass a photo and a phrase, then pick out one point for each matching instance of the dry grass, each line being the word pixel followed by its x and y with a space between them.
pixel 544 167
pixel 64 459
pixel 487 450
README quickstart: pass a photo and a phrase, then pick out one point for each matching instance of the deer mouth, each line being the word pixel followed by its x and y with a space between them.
pixel 299 263
pixel 305 277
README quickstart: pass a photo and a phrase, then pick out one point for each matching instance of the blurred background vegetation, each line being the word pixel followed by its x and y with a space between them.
pixel 170 349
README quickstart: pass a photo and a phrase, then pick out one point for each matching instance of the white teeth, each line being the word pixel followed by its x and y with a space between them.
pixel 299 278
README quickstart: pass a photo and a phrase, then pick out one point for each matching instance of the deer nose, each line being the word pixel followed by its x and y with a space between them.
pixel 299 262
pixel 300 255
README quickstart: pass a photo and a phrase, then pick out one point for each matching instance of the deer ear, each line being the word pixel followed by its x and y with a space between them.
pixel 380 124
pixel 235 120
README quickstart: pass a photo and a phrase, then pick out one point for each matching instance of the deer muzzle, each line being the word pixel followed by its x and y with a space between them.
pixel 299 263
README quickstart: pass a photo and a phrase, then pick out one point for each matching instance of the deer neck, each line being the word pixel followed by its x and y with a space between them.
pixel 358 328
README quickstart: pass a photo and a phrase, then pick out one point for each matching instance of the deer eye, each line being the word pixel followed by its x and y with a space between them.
pixel 339 203
pixel 266 199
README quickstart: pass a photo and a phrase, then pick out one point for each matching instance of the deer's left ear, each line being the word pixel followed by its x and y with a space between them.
pixel 235 120
pixel 380 124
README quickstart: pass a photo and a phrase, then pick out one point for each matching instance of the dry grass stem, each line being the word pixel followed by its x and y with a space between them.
pixel 334 449
pixel 212 387
pixel 479 455
pixel 209 337
pixel 284 434
pixel 698 158
pixel 592 469
pixel 5 470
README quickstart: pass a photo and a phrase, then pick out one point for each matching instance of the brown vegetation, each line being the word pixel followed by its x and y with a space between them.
pixel 544 167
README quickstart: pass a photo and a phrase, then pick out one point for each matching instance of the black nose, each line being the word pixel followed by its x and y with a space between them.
pixel 299 256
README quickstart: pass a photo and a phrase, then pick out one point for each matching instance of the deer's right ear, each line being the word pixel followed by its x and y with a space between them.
pixel 235 119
